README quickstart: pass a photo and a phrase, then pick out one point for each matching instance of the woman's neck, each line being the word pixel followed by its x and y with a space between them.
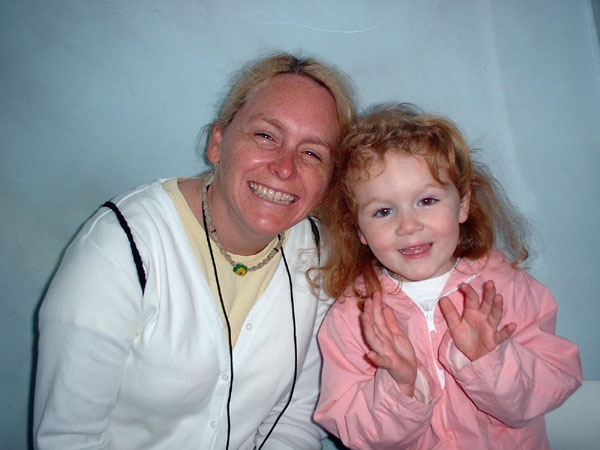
pixel 230 236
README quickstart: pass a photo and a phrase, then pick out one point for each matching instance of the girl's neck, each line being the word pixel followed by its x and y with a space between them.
pixel 402 282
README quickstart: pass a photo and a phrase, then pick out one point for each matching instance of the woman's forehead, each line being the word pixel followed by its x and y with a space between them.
pixel 296 101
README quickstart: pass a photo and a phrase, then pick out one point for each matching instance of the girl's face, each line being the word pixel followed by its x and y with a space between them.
pixel 408 219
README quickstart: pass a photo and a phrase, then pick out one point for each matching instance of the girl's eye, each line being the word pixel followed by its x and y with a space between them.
pixel 384 212
pixel 427 201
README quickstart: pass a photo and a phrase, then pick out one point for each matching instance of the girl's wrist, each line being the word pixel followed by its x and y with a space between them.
pixel 407 389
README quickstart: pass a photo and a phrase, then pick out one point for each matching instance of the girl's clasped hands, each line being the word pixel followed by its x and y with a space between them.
pixel 475 333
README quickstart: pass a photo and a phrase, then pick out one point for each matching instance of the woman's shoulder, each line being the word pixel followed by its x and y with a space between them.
pixel 148 198
pixel 146 209
pixel 306 234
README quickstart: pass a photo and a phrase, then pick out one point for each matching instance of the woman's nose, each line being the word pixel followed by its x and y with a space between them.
pixel 284 164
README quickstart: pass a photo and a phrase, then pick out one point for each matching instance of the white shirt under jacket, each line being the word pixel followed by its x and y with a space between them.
pixel 120 370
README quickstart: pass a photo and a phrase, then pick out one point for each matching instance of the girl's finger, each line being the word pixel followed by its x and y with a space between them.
pixel 471 297
pixel 375 358
pixel 506 332
pixel 368 317
pixel 450 313
pixel 376 308
pixel 391 321
pixel 378 319
pixel 497 311
pixel 489 292
pixel 366 320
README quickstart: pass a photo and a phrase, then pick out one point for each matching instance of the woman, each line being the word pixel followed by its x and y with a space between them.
pixel 215 346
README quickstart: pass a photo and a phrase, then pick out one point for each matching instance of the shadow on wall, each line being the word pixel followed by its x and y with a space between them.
pixel 34 346
pixel 333 443
pixel 34 355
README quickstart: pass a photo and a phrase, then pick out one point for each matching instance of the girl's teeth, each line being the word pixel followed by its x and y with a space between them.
pixel 414 250
pixel 272 195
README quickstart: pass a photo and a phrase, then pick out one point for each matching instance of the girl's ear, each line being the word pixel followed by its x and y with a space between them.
pixel 465 203
pixel 362 238
pixel 214 144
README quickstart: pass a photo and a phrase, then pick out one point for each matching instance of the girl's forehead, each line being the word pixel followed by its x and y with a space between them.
pixel 392 159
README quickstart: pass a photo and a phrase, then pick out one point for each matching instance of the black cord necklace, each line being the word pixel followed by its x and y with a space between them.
pixel 228 325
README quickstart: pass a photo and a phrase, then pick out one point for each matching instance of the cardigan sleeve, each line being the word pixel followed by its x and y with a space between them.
pixel 87 322
pixel 529 374
pixel 359 403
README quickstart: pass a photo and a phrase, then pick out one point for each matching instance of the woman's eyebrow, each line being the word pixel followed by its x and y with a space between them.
pixel 279 125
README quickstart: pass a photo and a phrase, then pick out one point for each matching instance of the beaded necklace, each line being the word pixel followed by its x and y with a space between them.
pixel 238 268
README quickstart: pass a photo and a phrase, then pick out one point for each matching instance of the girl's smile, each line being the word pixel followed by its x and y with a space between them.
pixel 408 219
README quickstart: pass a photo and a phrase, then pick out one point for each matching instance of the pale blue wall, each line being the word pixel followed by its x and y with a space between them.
pixel 98 97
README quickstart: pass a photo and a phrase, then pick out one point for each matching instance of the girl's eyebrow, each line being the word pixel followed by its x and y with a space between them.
pixel 371 201
pixel 435 185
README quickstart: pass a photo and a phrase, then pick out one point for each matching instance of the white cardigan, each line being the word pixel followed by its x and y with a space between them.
pixel 120 370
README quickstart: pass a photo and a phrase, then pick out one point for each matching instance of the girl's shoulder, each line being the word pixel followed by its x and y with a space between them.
pixel 498 267
pixel 349 303
pixel 496 262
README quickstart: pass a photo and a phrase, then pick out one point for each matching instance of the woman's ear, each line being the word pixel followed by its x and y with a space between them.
pixel 465 204
pixel 214 144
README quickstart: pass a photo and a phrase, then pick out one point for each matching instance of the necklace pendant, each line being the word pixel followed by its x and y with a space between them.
pixel 240 269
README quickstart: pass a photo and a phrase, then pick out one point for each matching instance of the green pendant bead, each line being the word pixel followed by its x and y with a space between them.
pixel 240 270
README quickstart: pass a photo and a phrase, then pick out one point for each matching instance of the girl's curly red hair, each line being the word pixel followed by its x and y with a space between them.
pixel 492 221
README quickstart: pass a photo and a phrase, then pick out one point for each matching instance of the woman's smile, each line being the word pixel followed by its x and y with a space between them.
pixel 271 195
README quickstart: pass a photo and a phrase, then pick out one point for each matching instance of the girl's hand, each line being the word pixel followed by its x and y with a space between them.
pixel 390 348
pixel 476 333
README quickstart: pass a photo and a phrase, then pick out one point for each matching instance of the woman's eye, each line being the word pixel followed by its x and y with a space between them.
pixel 384 212
pixel 312 154
pixel 427 201
pixel 264 135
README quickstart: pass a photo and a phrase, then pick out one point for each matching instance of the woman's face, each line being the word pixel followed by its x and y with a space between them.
pixel 274 161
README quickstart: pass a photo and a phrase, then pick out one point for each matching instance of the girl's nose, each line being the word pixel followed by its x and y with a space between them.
pixel 283 164
pixel 409 223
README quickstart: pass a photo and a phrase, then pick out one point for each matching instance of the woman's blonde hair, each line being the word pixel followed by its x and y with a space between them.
pixel 267 67
pixel 492 221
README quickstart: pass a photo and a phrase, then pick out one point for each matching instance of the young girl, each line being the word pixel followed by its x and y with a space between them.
pixel 412 357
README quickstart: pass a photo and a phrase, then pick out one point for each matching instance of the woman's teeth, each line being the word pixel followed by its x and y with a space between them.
pixel 271 195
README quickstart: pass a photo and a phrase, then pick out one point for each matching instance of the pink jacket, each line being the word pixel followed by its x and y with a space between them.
pixel 495 402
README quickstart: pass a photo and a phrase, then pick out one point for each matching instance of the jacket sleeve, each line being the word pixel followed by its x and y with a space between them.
pixel 87 322
pixel 296 428
pixel 529 374
pixel 360 404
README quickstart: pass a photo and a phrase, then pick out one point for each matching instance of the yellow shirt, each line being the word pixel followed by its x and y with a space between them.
pixel 239 293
